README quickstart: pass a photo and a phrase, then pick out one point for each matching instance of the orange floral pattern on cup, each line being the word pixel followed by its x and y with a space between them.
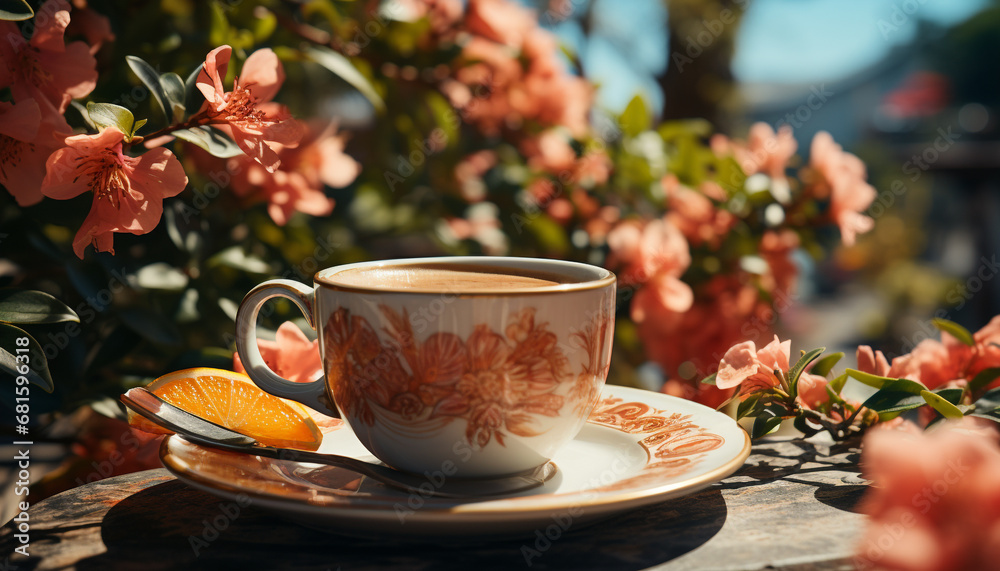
pixel 498 383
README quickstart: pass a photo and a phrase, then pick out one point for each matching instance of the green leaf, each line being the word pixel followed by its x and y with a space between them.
pixel 173 88
pixel 764 425
pixel 796 371
pixel 343 68
pixel 747 407
pixel 952 395
pixel 889 401
pixel 988 404
pixel 138 125
pixel 148 76
pixel 833 395
pixel 825 365
pixel 636 117
pixel 709 380
pixel 940 404
pixel 109 115
pixel 837 384
pixel 38 366
pixel 211 139
pixel 768 418
pixel 905 385
pixel 983 378
pixel 29 306
pixel 192 97
pixel 235 257
pixel 955 330
pixel 15 10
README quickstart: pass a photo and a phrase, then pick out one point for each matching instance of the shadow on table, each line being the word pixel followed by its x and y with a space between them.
pixel 173 526
pixel 831 468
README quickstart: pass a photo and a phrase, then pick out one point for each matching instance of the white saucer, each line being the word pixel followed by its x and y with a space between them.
pixel 637 448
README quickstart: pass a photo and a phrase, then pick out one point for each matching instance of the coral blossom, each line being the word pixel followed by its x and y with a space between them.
pixel 873 362
pixel 653 255
pixel 512 67
pixel 46 68
pixel 296 185
pixel 254 129
pixel 844 181
pixel 128 191
pixel 693 212
pixel 949 361
pixel 934 504
pixel 27 138
pixel 292 355
pixel 752 370
pixel 765 152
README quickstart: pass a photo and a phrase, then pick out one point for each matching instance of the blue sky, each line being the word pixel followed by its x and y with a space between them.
pixel 783 41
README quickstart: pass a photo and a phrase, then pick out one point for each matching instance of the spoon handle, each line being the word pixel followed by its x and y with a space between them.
pixel 203 432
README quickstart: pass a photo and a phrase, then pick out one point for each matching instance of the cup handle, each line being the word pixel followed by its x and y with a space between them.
pixel 311 394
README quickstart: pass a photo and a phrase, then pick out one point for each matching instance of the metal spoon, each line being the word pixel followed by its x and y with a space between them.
pixel 201 431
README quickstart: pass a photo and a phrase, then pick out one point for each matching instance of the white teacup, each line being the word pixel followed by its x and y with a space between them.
pixel 468 366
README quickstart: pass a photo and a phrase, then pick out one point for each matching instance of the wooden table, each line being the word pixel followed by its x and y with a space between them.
pixel 789 507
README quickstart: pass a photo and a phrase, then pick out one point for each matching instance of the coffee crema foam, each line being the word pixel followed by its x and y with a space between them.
pixel 444 277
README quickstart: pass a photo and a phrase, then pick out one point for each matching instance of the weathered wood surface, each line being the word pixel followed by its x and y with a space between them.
pixel 789 507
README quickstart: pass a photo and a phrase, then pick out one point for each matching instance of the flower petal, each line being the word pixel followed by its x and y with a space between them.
pixel 209 81
pixel 51 20
pixel 159 174
pixel 739 362
pixel 262 75
pixel 775 354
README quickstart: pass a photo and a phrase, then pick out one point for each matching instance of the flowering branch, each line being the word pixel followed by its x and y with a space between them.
pixel 770 391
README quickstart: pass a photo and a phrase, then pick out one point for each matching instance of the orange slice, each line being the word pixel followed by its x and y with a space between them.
pixel 232 400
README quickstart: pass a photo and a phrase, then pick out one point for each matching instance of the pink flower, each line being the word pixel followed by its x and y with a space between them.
pixel 695 214
pixel 653 256
pixel 297 184
pixel 812 390
pixel 770 151
pixel 94 27
pixel 592 169
pixel 934 504
pixel 291 355
pixel 950 362
pixel 442 14
pixel 128 191
pixel 502 21
pixel 480 224
pixel 26 140
pixel 752 370
pixel 643 249
pixel 549 151
pixel 469 174
pixel 872 362
pixel 986 353
pixel 777 247
pixel 765 152
pixel 254 129
pixel 933 363
pixel 513 67
pixel 46 68
pixel 844 181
